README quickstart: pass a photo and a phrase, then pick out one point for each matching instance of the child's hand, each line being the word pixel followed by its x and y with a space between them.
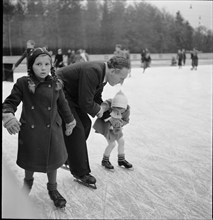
pixel 116 122
pixel 101 112
pixel 69 127
pixel 116 130
pixel 11 123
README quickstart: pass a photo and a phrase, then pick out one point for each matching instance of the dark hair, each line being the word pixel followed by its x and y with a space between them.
pixel 118 62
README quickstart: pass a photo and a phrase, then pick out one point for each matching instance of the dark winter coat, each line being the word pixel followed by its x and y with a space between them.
pixel 41 146
pixel 83 85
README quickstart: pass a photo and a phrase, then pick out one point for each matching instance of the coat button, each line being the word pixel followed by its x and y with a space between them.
pixel 32 107
pixel 48 126
pixel 32 126
pixel 49 108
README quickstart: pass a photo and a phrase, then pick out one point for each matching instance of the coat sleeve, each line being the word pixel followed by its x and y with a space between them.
pixel 88 83
pixel 11 103
pixel 64 108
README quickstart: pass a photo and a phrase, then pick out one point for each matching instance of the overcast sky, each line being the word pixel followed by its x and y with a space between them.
pixel 196 12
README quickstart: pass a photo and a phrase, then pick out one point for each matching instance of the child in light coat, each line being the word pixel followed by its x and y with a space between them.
pixel 111 128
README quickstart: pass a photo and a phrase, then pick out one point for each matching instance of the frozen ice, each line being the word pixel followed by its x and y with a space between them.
pixel 168 141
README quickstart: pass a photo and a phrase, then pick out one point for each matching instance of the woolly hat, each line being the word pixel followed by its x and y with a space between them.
pixel 120 100
pixel 35 53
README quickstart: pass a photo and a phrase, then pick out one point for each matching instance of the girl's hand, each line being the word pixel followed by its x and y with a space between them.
pixel 11 123
pixel 116 122
pixel 69 127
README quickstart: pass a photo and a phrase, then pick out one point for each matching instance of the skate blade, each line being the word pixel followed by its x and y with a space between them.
pixel 110 170
pixel 61 209
pixel 86 184
pixel 128 169
pixel 65 167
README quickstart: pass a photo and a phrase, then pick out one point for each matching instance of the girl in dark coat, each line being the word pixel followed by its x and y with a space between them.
pixel 41 146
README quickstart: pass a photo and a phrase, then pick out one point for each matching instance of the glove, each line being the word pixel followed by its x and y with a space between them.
pixel 116 122
pixel 69 127
pixel 101 112
pixel 116 130
pixel 11 123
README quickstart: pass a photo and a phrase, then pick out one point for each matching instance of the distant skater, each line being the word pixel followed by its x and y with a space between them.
pixel 146 60
pixel 194 58
pixel 184 56
pixel 110 126
pixel 59 59
pixel 41 146
pixel 179 58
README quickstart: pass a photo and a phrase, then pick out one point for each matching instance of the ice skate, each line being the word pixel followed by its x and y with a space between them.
pixel 57 198
pixel 27 185
pixel 86 180
pixel 66 166
pixel 107 165
pixel 126 164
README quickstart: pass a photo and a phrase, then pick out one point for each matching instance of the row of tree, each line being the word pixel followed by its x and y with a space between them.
pixel 97 26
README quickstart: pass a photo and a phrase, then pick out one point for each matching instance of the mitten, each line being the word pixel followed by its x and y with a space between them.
pixel 116 130
pixel 116 122
pixel 11 123
pixel 101 112
pixel 69 127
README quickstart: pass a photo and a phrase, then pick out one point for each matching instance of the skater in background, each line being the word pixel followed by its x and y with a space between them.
pixel 111 128
pixel 59 59
pixel 173 61
pixel 72 57
pixel 194 58
pixel 78 57
pixel 84 55
pixel 118 51
pixel 179 58
pixel 127 56
pixel 30 48
pixel 83 87
pixel 69 54
pixel 146 60
pixel 41 146
pixel 184 56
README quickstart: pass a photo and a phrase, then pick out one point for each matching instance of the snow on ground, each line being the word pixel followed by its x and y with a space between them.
pixel 168 141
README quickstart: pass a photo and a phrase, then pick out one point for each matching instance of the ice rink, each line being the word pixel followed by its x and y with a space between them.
pixel 168 141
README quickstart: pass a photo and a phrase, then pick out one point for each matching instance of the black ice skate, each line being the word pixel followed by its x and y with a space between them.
pixel 27 185
pixel 107 164
pixel 86 180
pixel 125 163
pixel 57 198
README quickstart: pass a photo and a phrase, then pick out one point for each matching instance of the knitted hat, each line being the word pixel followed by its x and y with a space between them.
pixel 120 100
pixel 34 54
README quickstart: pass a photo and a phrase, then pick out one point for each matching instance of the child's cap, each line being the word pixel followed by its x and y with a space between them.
pixel 34 54
pixel 120 100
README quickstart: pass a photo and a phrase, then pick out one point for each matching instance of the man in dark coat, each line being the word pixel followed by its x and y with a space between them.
pixel 83 87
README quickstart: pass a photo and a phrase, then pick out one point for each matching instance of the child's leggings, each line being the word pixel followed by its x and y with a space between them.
pixel 111 145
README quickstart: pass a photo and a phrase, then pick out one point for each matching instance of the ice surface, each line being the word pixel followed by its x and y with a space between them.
pixel 168 141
